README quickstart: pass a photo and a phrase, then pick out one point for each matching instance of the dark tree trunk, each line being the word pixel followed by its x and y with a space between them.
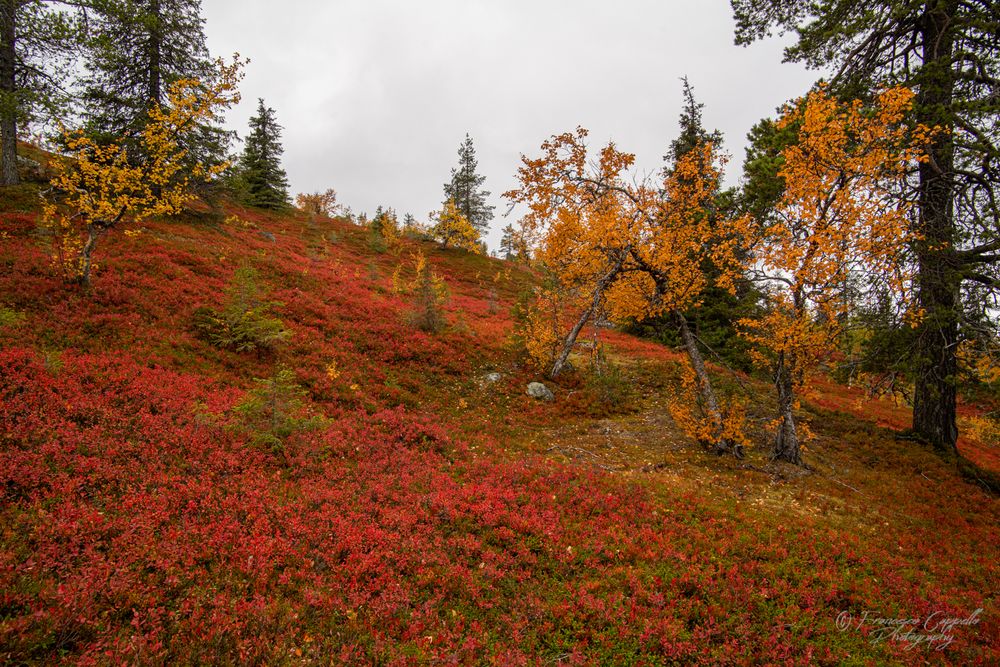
pixel 939 272
pixel 8 93
pixel 155 80
pixel 786 441
pixel 705 389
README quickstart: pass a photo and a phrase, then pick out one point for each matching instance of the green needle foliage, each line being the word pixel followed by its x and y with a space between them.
pixel 262 179
pixel 273 411
pixel 245 324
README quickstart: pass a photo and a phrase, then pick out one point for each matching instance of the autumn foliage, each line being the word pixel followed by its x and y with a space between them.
pixel 841 226
pixel 631 250
pixel 312 444
pixel 318 204
pixel 100 186
pixel 428 289
pixel 168 501
pixel 453 229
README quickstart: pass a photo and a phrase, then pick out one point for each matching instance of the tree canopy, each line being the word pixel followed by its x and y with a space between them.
pixel 948 52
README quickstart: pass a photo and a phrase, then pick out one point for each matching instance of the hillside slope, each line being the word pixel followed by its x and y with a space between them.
pixel 428 517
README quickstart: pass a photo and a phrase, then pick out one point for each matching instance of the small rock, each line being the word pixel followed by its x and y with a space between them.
pixel 492 378
pixel 541 392
pixel 31 170
pixel 267 236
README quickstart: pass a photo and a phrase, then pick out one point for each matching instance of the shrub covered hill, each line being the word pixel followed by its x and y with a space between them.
pixel 239 448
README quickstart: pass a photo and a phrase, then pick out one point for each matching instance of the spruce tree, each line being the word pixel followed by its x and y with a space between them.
pixel 508 243
pixel 137 50
pixel 465 189
pixel 693 133
pixel 263 181
pixel 38 39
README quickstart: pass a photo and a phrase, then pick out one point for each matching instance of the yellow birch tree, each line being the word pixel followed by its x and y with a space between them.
pixel 100 187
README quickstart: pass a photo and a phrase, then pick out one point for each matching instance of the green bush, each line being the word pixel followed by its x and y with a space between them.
pixel 274 410
pixel 9 317
pixel 245 324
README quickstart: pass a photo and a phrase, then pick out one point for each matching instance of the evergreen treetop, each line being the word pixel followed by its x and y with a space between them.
pixel 693 133
pixel 508 243
pixel 137 49
pixel 263 180
pixel 465 189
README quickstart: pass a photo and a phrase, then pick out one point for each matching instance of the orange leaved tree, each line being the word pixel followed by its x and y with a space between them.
pixel 689 246
pixel 100 186
pixel 632 249
pixel 841 218
pixel 580 225
pixel 318 204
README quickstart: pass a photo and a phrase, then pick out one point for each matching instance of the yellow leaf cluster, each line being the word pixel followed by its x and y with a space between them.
pixel 103 185
pixel 689 414
pixel 984 365
pixel 454 229
pixel 421 275
pixel 317 204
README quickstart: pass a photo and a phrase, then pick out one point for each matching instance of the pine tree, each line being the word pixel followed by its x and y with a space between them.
pixel 465 189
pixel 137 50
pixel 508 243
pixel 263 181
pixel 36 39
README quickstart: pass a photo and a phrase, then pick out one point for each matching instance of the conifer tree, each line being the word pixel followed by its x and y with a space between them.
pixel 411 226
pixel 36 38
pixel 508 243
pixel 383 230
pixel 693 133
pixel 138 48
pixel 263 180
pixel 465 189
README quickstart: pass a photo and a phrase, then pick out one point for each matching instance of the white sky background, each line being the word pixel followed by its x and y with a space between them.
pixel 376 95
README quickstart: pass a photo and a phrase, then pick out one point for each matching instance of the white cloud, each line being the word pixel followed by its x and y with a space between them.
pixel 376 95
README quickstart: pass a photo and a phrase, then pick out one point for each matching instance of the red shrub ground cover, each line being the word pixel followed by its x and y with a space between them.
pixel 137 525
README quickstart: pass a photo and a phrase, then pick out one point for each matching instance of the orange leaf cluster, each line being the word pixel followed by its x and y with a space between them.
pixel 645 245
pixel 841 220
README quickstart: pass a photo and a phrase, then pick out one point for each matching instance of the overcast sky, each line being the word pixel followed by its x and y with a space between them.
pixel 376 95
